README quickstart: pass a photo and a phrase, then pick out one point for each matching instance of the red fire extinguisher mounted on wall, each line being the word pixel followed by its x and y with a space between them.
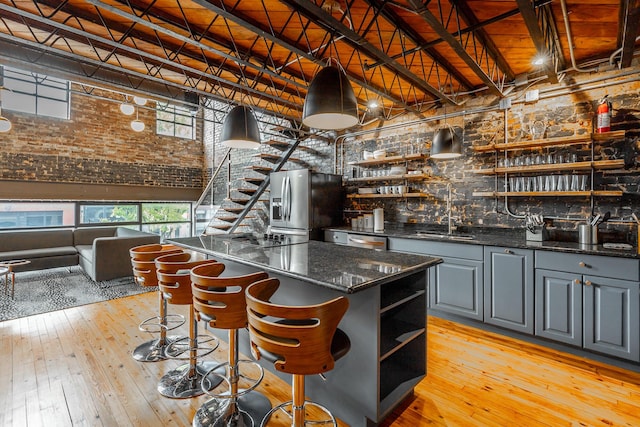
pixel 603 117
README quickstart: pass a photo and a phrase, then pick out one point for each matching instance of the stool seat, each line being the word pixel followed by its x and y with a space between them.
pixel 144 274
pixel 220 301
pixel 299 340
pixel 174 281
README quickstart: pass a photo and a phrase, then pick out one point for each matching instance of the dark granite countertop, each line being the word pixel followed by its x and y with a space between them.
pixel 343 268
pixel 487 236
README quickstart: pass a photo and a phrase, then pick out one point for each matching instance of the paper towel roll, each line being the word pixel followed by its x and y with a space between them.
pixel 378 219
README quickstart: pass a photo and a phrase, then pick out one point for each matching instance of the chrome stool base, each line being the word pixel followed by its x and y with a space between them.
pixel 250 408
pixel 177 384
pixel 153 351
pixel 282 407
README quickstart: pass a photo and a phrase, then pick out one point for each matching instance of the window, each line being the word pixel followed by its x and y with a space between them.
pixel 173 120
pixel 108 214
pixel 36 215
pixel 35 93
pixel 169 220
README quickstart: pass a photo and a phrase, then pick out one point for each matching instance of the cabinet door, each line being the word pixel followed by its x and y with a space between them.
pixel 611 317
pixel 558 306
pixel 508 288
pixel 456 287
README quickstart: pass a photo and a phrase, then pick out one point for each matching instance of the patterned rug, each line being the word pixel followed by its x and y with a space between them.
pixel 42 291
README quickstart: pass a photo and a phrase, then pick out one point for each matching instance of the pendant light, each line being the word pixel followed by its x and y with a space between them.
pixel 137 124
pixel 446 144
pixel 127 108
pixel 330 103
pixel 240 129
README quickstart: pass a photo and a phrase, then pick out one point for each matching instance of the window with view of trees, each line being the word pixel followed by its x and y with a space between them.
pixel 173 120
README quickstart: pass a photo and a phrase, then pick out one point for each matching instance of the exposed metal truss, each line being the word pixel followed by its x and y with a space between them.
pixel 544 33
pixel 408 55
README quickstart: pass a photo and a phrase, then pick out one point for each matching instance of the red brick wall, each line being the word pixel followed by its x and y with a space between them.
pixel 97 146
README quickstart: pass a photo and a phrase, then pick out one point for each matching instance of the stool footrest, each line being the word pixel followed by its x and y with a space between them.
pixel 215 376
pixel 155 324
pixel 154 350
pixel 181 349
pixel 282 407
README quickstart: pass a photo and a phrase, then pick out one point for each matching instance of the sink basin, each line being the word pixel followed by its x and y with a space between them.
pixel 441 235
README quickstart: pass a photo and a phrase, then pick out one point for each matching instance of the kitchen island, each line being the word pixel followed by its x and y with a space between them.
pixel 386 320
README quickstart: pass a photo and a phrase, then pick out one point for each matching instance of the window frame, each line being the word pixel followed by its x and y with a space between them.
pixel 176 111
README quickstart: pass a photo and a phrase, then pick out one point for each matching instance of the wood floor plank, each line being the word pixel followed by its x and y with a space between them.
pixel 74 368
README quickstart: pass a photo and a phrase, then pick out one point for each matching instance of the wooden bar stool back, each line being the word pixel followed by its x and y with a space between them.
pixel 174 281
pixel 220 301
pixel 299 340
pixel 144 274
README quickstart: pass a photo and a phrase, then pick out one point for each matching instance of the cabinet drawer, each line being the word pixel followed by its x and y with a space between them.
pixel 604 266
pixel 436 248
pixel 338 237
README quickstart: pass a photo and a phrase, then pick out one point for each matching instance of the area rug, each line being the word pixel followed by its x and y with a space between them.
pixel 42 291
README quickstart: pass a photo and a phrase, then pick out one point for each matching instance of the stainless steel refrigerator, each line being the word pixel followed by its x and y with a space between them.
pixel 302 202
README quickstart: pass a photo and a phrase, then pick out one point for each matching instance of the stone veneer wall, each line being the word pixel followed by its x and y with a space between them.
pixel 565 115
pixel 96 146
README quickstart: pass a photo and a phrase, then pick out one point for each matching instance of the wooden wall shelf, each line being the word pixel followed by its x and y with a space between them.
pixel 577 166
pixel 389 159
pixel 387 196
pixel 602 193
pixel 547 142
pixel 410 177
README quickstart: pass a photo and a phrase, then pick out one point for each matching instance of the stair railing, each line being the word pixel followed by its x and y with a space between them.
pixel 209 188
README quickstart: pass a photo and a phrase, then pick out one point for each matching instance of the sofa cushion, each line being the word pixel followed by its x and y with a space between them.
pixel 37 253
pixel 33 239
pixel 85 251
pixel 86 236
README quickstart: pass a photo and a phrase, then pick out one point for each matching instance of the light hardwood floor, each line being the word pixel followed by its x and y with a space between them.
pixel 73 368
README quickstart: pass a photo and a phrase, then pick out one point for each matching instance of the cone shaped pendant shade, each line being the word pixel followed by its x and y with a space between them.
pixel 446 144
pixel 240 129
pixel 330 103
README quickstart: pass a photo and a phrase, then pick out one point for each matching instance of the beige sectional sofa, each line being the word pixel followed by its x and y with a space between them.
pixel 102 252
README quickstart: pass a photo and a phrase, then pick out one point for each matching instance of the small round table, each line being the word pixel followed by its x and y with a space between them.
pixel 7 266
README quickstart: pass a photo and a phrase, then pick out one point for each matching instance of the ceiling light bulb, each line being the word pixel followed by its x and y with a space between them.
pixel 139 100
pixel 137 125
pixel 539 60
pixel 127 109
pixel 5 124
pixel 373 104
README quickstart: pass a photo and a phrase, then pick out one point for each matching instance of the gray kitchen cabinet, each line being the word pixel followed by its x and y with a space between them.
pixel 455 285
pixel 509 288
pixel 593 302
pixel 558 306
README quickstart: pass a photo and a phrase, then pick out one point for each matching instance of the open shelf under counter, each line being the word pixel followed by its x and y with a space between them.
pixel 389 159
pixel 547 142
pixel 600 193
pixel 576 166
pixel 386 196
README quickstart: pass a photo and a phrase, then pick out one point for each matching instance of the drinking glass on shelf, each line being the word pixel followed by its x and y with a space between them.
pixel 572 158
pixel 540 182
pixel 512 183
pixel 550 183
pixel 533 183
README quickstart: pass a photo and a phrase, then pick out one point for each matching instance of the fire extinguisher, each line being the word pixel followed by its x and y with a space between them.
pixel 604 115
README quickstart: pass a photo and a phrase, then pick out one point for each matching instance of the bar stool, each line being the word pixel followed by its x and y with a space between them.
pixel 144 274
pixel 220 301
pixel 174 281
pixel 299 340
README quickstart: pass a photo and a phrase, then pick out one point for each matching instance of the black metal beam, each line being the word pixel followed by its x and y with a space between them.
pixel 330 24
pixel 629 30
pixel 439 28
pixel 540 42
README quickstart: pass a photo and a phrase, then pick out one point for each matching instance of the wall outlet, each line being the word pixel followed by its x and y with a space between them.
pixel 531 95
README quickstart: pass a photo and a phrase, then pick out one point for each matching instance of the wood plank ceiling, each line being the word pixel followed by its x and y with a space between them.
pixel 408 55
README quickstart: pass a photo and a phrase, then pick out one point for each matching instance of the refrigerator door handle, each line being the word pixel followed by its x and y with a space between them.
pixel 283 188
pixel 288 198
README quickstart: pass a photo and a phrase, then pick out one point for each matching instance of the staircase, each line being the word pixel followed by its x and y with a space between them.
pixel 246 204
